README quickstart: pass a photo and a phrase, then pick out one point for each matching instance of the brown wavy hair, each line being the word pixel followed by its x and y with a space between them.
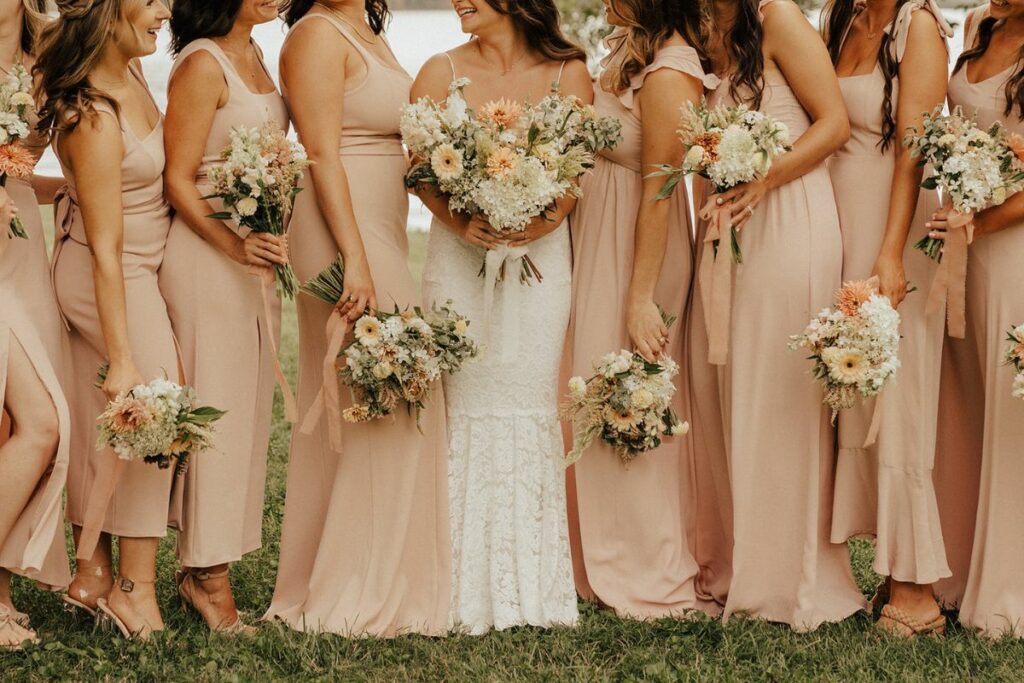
pixel 743 44
pixel 649 23
pixel 33 20
pixel 540 24
pixel 1014 90
pixel 377 13
pixel 837 17
pixel 68 50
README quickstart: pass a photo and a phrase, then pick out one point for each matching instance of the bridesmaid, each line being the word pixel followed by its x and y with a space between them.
pixel 891 61
pixel 112 223
pixel 629 541
pixel 34 454
pixel 979 470
pixel 365 547
pixel 210 280
pixel 763 442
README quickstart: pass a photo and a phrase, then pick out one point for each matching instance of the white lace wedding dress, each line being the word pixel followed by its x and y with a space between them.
pixel 506 481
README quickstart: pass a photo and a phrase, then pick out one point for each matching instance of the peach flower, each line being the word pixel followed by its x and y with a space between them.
pixel 853 295
pixel 1016 143
pixel 503 112
pixel 16 161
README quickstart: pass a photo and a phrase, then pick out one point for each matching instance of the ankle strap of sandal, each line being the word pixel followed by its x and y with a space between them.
pixel 128 585
pixel 200 575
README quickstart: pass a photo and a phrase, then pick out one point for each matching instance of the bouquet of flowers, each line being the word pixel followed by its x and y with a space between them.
pixel 394 356
pixel 975 168
pixel 1015 358
pixel 508 161
pixel 16 160
pixel 257 181
pixel 159 422
pixel 854 346
pixel 628 403
pixel 728 146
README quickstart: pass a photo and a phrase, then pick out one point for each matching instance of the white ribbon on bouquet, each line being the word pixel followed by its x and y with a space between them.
pixel 494 259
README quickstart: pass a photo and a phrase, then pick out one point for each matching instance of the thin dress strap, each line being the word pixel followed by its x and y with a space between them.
pixel 451 62
pixel 558 81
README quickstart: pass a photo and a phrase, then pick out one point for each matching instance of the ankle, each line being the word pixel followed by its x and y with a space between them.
pixel 914 597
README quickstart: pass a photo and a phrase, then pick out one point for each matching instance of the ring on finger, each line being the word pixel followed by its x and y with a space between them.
pixel 750 210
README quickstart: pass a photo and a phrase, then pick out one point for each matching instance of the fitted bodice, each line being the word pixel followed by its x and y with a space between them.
pixel 986 100
pixel 243 107
pixel 778 101
pixel 373 107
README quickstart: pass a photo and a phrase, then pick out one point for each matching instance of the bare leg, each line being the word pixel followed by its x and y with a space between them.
pixel 93 577
pixel 208 590
pixel 133 598
pixel 915 600
pixel 24 457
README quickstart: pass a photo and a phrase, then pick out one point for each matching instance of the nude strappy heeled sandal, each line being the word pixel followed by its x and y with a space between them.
pixel 936 627
pixel 77 603
pixel 107 617
pixel 190 577
pixel 9 617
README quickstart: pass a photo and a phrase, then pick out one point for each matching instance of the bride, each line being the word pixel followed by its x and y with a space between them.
pixel 506 481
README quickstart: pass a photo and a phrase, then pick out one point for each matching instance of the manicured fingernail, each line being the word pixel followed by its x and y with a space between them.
pixel 719 201
pixel 927 225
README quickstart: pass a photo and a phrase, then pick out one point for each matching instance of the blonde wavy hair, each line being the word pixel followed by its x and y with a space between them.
pixel 649 23
pixel 68 49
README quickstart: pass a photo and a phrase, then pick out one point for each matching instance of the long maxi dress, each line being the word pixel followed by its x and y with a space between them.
pixel 763 445
pixel 218 318
pixel 628 530
pixel 979 467
pixel 138 507
pixel 35 548
pixel 886 490
pixel 365 548
pixel 506 479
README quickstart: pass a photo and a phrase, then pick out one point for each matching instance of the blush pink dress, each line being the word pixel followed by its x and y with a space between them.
pixel 763 445
pixel 627 528
pixel 138 508
pixel 980 457
pixel 35 548
pixel 217 314
pixel 365 548
pixel 886 490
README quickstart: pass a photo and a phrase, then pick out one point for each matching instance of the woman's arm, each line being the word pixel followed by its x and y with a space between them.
pixel 316 98
pixel 664 93
pixel 922 88
pixel 197 90
pixel 792 43
pixel 95 150
pixel 46 187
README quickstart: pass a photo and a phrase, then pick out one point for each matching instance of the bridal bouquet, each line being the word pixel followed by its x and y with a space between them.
pixel 1015 358
pixel 628 403
pixel 975 168
pixel 508 161
pixel 159 422
pixel 728 146
pixel 394 357
pixel 257 181
pixel 16 160
pixel 854 346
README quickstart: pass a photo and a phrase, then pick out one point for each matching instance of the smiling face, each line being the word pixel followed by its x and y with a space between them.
pixel 476 15
pixel 1007 9
pixel 255 12
pixel 135 32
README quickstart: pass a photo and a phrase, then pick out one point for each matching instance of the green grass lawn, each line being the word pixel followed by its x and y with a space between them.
pixel 601 648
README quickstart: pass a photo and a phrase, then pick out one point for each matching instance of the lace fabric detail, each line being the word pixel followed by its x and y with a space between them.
pixel 510 538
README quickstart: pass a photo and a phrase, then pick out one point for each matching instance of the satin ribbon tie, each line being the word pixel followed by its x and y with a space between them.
pixel 715 277
pixel 510 296
pixel 265 278
pixel 949 288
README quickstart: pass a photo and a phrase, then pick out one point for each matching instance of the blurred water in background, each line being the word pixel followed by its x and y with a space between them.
pixel 415 35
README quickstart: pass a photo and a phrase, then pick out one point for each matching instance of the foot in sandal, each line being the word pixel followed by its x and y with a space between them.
pixel 13 635
pixel 131 608
pixel 208 592
pixel 911 611
pixel 91 583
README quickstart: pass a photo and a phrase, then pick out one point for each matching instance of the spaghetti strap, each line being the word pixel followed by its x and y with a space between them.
pixel 451 62
pixel 558 81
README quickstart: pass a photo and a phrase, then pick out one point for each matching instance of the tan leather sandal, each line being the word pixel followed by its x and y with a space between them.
pixel 8 618
pixel 108 618
pixel 187 580
pixel 915 626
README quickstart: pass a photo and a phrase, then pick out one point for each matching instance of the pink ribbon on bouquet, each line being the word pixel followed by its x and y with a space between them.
pixel 716 278
pixel 329 397
pixel 108 471
pixel 265 276
pixel 949 288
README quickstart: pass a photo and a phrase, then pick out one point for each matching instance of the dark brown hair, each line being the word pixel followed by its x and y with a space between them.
pixel 377 13
pixel 1014 90
pixel 649 24
pixel 539 22
pixel 743 43
pixel 195 19
pixel 32 24
pixel 68 50
pixel 837 17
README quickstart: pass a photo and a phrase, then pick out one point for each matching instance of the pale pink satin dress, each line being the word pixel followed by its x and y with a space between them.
pixel 140 501
pixel 979 469
pixel 365 547
pixel 217 314
pixel 886 490
pixel 628 531
pixel 35 548
pixel 763 446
